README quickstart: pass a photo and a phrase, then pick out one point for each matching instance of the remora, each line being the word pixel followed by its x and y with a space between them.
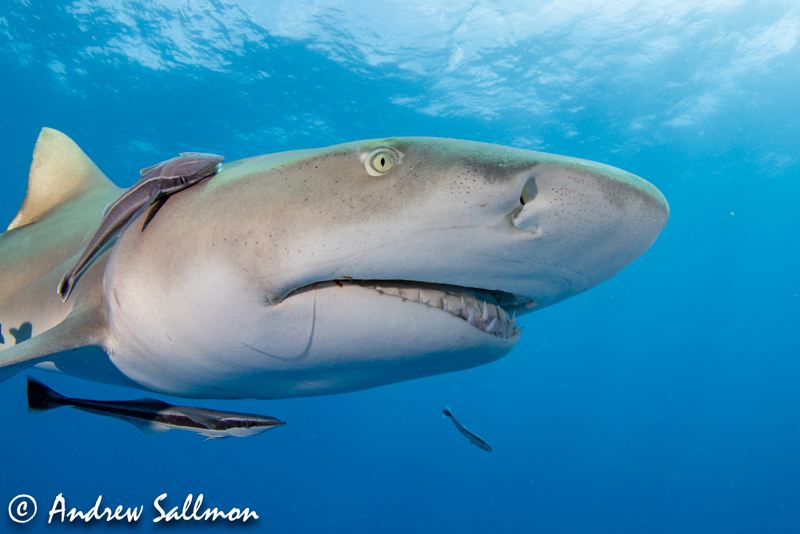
pixel 152 416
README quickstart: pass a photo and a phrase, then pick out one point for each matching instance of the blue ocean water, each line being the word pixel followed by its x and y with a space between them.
pixel 663 400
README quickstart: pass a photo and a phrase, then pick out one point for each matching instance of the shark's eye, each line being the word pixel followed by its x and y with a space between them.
pixel 380 161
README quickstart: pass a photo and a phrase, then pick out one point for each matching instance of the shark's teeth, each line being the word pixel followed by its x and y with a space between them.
pixel 492 326
pixel 485 315
pixel 503 314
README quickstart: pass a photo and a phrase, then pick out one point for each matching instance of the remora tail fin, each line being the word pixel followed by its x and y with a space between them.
pixel 42 398
pixel 60 171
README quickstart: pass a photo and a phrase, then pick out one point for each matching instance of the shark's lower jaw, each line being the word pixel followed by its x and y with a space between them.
pixel 483 309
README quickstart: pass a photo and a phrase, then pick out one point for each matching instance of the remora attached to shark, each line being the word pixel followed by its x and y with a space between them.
pixel 315 271
pixel 155 186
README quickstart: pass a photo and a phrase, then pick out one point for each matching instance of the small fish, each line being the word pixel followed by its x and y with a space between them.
pixel 156 183
pixel 152 416
pixel 469 435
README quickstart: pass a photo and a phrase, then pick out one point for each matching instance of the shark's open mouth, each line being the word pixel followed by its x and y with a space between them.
pixel 484 309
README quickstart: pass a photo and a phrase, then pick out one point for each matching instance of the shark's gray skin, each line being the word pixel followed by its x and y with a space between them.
pixel 316 271
pixel 153 416
pixel 472 437
pixel 157 183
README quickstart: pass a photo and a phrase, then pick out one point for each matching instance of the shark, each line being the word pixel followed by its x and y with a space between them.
pixel 312 272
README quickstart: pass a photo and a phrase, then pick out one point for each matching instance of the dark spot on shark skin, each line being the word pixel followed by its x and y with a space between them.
pixel 23 333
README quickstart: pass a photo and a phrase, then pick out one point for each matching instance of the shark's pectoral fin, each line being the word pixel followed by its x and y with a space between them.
pixel 81 328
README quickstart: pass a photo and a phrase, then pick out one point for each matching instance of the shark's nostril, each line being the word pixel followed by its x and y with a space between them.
pixel 526 216
pixel 529 191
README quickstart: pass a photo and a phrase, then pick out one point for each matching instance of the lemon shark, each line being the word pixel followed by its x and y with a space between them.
pixel 315 271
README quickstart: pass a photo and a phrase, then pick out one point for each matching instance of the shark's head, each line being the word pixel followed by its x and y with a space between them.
pixel 540 226
pixel 337 269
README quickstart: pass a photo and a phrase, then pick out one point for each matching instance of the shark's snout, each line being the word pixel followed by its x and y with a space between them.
pixel 589 201
pixel 575 224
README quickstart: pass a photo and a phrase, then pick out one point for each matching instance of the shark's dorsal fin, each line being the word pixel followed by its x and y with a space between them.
pixel 60 172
